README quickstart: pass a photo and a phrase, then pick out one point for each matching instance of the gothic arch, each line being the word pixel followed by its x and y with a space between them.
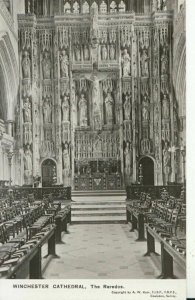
pixel 155 166
pixel 48 172
pixel 8 77
pixel 46 158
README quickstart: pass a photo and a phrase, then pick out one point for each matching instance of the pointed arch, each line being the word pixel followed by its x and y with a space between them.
pixel 9 78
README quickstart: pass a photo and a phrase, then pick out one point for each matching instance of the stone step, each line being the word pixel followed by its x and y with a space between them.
pixel 97 213
pixel 99 193
pixel 101 203
pixel 99 199
pixel 97 207
pixel 97 219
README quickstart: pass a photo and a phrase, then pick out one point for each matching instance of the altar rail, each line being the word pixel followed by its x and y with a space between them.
pixel 133 191
pixel 58 193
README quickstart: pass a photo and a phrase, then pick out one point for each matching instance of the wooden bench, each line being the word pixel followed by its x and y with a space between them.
pixel 62 219
pixel 169 253
pixel 29 256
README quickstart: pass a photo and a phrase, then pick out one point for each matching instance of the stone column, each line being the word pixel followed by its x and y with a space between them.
pixel 9 156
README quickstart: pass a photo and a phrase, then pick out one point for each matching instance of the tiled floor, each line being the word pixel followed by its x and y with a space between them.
pixel 100 251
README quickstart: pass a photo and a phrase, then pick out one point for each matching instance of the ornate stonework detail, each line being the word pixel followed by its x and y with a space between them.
pixel 26 65
pixel 96 95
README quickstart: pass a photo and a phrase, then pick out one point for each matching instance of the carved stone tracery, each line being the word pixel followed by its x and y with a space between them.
pixel 102 88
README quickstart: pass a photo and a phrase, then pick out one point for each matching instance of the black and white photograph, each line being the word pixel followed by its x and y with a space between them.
pixel 93 140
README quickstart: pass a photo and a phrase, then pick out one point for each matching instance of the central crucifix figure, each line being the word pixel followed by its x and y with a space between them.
pixel 97 97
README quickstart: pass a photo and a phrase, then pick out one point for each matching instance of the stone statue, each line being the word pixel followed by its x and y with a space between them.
pixel 94 25
pixel 144 61
pixel 83 111
pixel 145 108
pixel 65 109
pixel 85 7
pixel 165 107
pixel 76 8
pixel 127 158
pixel 145 146
pixel 77 53
pixel 74 105
pixel 126 63
pixel 47 110
pixel 109 108
pixel 166 155
pixel 103 7
pixel 164 61
pixel 27 110
pixel 64 64
pixel 67 8
pixel 86 53
pixel 155 70
pixel 122 6
pixel 36 114
pixel 104 52
pixel 164 5
pixel 166 162
pixel 159 4
pixel 127 108
pixel 66 157
pixel 28 159
pixel 46 66
pixel 112 52
pixel 96 98
pixel 96 103
pixel 26 65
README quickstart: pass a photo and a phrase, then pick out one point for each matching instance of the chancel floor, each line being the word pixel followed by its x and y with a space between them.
pixel 101 251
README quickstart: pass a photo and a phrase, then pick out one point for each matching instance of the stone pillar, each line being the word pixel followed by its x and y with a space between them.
pixel 9 156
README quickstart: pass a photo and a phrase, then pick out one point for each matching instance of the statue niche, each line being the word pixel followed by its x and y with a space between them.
pixel 145 108
pixel 165 107
pixel 65 109
pixel 27 111
pixel 26 62
pixel 166 162
pixel 144 63
pixel 86 54
pixel 64 64
pixel 104 52
pixel 164 61
pixel 109 103
pixel 126 63
pixel 112 52
pixel 127 108
pixel 66 158
pixel 46 65
pixel 28 165
pixel 83 111
pixel 127 158
pixel 47 110
pixel 66 165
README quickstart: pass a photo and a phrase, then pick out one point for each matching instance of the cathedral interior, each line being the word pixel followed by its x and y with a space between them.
pixel 92 138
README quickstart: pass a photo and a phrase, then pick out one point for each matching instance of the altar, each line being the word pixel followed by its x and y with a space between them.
pixel 98 181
